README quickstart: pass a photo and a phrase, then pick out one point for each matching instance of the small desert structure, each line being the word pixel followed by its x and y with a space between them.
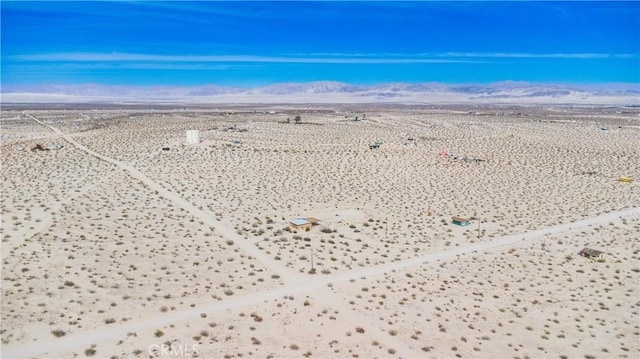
pixel 224 215
pixel 303 223
pixel 376 144
pixel 591 253
pixel 460 221
pixel 41 147
pixel 38 147
pixel 193 136
pixel 625 179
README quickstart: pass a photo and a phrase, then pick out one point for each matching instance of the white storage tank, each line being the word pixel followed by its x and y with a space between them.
pixel 193 136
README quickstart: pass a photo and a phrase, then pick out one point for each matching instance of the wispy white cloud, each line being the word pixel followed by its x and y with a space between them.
pixel 149 65
pixel 587 55
pixel 133 60
pixel 486 55
pixel 129 57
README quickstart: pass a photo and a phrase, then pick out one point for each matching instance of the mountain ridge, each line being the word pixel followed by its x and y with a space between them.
pixel 330 91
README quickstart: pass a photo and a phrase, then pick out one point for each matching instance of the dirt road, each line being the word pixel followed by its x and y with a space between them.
pixel 207 218
pixel 295 283
pixel 83 339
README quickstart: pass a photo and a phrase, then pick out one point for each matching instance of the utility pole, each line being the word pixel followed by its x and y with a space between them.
pixel 386 226
pixel 312 271
pixel 478 228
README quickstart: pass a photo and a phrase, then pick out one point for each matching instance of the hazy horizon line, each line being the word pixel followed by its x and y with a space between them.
pixel 327 81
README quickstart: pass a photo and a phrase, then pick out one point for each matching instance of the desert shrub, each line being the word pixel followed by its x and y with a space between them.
pixel 256 317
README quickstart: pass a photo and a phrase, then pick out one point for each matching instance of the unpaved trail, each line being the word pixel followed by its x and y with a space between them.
pixel 222 229
pixel 82 339
pixel 43 219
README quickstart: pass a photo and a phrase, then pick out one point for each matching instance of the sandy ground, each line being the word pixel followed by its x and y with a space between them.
pixel 112 247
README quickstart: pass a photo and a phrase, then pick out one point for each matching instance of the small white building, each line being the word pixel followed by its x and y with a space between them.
pixel 303 223
pixel 193 136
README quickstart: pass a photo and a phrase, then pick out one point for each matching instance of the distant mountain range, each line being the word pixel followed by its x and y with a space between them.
pixel 331 92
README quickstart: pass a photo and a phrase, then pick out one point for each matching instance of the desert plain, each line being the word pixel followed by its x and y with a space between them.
pixel 128 242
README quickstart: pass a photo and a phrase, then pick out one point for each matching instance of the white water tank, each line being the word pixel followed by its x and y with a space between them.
pixel 193 136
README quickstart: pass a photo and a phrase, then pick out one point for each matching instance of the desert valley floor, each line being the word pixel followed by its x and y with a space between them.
pixel 128 242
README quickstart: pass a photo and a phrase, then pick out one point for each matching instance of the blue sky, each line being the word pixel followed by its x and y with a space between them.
pixel 259 43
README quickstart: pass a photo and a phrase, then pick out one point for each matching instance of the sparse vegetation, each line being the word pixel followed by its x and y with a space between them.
pixel 197 241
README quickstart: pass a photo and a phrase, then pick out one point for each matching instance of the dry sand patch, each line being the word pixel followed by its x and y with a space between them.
pixel 87 247
pixel 532 300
